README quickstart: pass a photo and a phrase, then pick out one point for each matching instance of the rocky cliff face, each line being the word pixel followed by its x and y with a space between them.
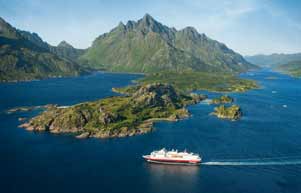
pixel 117 116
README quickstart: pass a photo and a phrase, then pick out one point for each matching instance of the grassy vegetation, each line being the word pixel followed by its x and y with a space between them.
pixel 149 46
pixel 222 100
pixel 117 116
pixel 159 96
pixel 26 64
pixel 25 56
pixel 292 68
pixel 233 112
pixel 189 81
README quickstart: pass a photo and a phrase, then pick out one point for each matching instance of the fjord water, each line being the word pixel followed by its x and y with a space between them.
pixel 259 153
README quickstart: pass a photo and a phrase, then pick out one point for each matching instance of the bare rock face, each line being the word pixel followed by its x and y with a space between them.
pixel 222 100
pixel 156 94
pixel 196 98
pixel 83 135
pixel 107 118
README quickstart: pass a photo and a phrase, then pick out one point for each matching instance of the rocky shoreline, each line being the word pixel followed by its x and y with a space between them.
pixel 30 108
pixel 233 112
pixel 222 100
pixel 132 114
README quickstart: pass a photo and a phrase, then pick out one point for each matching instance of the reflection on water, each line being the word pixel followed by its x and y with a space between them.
pixel 165 169
pixel 165 178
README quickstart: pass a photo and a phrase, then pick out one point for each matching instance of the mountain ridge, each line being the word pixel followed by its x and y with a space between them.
pixel 25 56
pixel 143 46
pixel 273 60
pixel 147 46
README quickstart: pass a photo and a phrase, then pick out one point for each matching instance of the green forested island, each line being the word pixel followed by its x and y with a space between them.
pixel 222 100
pixel 117 116
pixel 189 81
pixel 130 114
pixel 233 112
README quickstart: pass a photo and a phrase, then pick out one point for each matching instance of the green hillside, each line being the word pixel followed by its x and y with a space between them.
pixel 149 46
pixel 292 68
pixel 24 56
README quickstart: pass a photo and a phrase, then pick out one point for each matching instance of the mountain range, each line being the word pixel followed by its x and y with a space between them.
pixel 25 56
pixel 144 46
pixel 273 60
pixel 149 46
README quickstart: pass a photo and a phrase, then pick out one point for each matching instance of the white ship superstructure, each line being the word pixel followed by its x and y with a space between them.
pixel 173 157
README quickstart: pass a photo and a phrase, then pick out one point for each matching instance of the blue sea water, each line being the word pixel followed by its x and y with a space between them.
pixel 259 153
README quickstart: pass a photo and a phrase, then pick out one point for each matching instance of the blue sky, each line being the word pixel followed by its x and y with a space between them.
pixel 247 26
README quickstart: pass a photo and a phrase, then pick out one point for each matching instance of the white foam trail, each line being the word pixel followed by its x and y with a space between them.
pixel 252 163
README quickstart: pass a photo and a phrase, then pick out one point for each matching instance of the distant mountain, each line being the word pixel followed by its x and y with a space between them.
pixel 149 46
pixel 292 68
pixel 25 56
pixel 272 60
pixel 65 50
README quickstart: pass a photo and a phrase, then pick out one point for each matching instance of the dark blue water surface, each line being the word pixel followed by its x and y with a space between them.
pixel 241 155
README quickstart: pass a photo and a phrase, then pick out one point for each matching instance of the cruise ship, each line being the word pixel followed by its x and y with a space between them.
pixel 173 157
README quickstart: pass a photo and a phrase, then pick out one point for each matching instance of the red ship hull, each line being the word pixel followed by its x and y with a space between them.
pixel 172 161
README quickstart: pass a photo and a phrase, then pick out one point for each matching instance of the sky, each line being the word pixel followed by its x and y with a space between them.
pixel 246 26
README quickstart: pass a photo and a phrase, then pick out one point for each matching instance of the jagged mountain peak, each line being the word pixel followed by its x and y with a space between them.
pixel 147 45
pixel 64 44
pixel 148 23
pixel 148 18
pixel 190 32
pixel 190 29
pixel 130 24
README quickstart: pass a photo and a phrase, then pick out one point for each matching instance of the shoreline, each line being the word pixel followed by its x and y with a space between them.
pixel 138 92
pixel 70 76
pixel 118 116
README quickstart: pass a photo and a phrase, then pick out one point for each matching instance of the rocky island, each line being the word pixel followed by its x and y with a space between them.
pixel 29 108
pixel 233 112
pixel 222 100
pixel 117 116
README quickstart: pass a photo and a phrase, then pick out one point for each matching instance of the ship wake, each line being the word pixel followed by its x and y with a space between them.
pixel 256 162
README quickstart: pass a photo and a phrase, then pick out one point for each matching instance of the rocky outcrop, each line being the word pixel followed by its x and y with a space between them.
pixel 156 94
pixel 29 108
pixel 120 116
pixel 222 100
pixel 233 112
